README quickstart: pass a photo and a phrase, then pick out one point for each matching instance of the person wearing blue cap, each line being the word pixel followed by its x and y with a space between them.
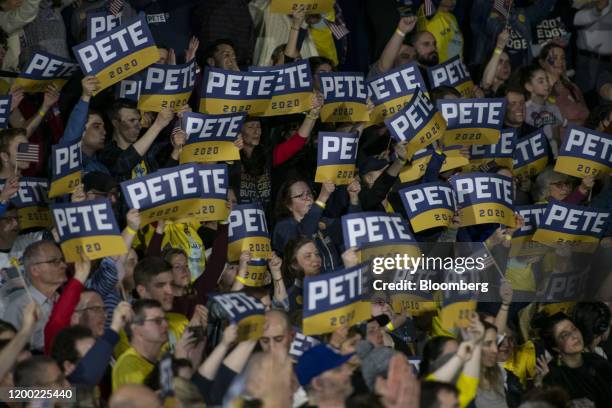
pixel 325 376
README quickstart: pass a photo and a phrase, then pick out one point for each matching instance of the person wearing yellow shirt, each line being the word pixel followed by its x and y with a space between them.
pixel 153 280
pixel 148 332
pixel 444 27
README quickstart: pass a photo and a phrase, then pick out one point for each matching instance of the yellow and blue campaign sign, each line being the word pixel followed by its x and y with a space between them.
pixel 472 121
pixel 418 122
pixel 213 199
pixel 484 198
pixel 45 69
pixel 237 92
pixel 531 154
pixel 300 343
pixel 119 53
pixel 87 227
pixel 247 312
pixel 414 302
pixel 129 88
pixel 257 273
pixel 418 164
pixel 311 6
pixel 335 299
pixel 345 96
pixel 585 152
pixel 292 90
pixel 66 168
pixel 429 205
pixel 336 156
pixel 391 91
pixel 167 86
pixel 5 111
pixel 100 22
pixel 167 194
pixel 522 239
pixel 378 234
pixel 248 231
pixel 31 201
pixel 571 224
pixel 456 311
pixel 452 73
pixel 502 152
pixel 210 138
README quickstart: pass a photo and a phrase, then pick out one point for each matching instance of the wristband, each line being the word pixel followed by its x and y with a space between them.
pixel 131 230
pixel 507 306
pixel 497 51
pixel 312 116
pixel 320 203
pixel 400 32
pixel 41 113
pixel 241 280
pixel 390 326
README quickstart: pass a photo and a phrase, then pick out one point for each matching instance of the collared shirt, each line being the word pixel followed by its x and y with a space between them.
pixel 17 303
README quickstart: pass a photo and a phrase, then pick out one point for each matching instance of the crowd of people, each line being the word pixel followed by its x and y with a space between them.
pixel 109 327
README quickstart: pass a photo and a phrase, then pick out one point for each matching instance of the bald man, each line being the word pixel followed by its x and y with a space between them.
pixel 134 396
pixel 278 333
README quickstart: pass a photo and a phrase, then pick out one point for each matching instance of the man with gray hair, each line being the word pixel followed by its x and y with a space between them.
pixel 45 271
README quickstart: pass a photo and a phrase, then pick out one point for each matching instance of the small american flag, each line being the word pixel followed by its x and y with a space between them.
pixel 115 6
pixel 27 152
pixel 503 7
pixel 430 9
pixel 338 27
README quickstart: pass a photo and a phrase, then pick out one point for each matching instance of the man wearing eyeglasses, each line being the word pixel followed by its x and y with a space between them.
pixel 148 331
pixel 45 270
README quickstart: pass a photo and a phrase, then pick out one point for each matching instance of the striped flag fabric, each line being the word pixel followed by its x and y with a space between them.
pixel 338 27
pixel 115 6
pixel 430 9
pixel 27 152
pixel 502 7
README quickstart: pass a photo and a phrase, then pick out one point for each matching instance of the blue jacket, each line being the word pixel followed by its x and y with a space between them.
pixel 91 368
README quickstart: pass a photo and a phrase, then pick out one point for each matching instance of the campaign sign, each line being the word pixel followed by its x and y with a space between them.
pixel 311 6
pixel 237 92
pixel 335 299
pixel 585 152
pixel 5 111
pixel 414 302
pixel 452 73
pixel 531 154
pixel 257 273
pixel 292 89
pixel 391 91
pixel 66 168
pixel 429 205
pixel 167 194
pixel 45 69
pixel 119 53
pixel 212 205
pixel 459 305
pixel 418 165
pixel 101 22
pixel 378 234
pixel 418 122
pixel 345 96
pixel 484 198
pixel 210 138
pixel 336 156
pixel 472 121
pixel 88 227
pixel 571 224
pixel 247 312
pixel 31 201
pixel 565 289
pixel 522 240
pixel 129 88
pixel 167 86
pixel 248 231
pixel 301 343
pixel 501 153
